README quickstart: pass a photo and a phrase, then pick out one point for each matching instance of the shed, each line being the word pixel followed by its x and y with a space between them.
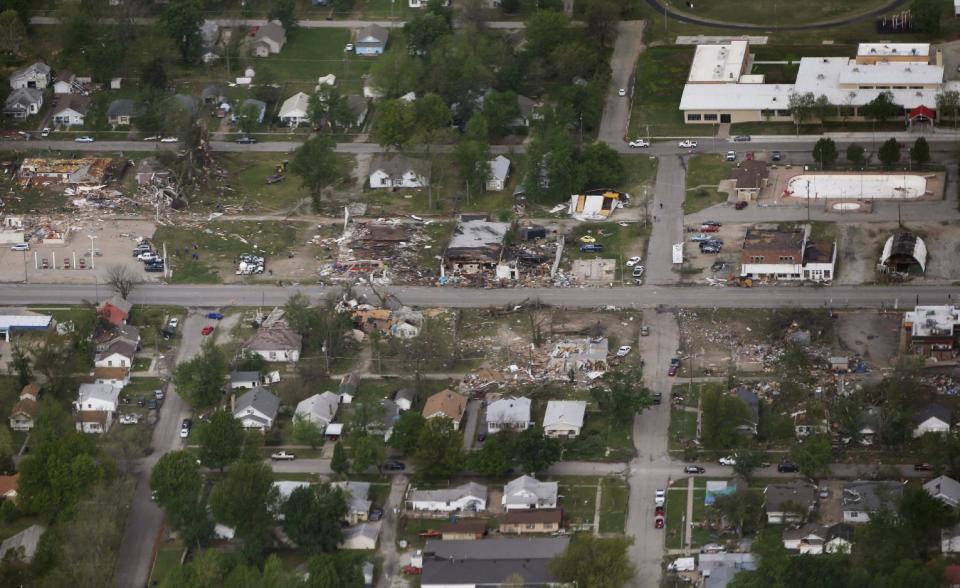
pixel 904 252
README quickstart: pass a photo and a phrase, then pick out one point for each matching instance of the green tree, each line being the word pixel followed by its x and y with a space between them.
pixel 176 475
pixel 367 452
pixel 248 117
pixel 244 500
pixel 889 153
pixel 813 455
pixel 948 101
pixel 422 32
pixel 473 159
pixel 318 166
pixel 922 517
pixel 499 111
pixel 620 393
pixel 602 17
pixel 825 152
pixel 397 72
pixel 306 432
pixel 880 108
pixel 477 128
pixel 721 414
pixel 312 515
pixel 439 451
pixel 927 15
pixel 153 75
pixel 855 155
pixel 221 440
pixel 430 112
pixel 743 509
pixel 602 167
pixel 545 31
pixel 747 462
pixel 58 473
pixel 339 463
pixel 13 33
pixel 200 380
pixel 494 457
pixel 920 152
pixel 21 364
pixel 535 451
pixel 284 11
pixel 595 562
pixel 406 431
pixel 802 107
pixel 182 20
pixel 342 570
pixel 823 109
pixel 395 124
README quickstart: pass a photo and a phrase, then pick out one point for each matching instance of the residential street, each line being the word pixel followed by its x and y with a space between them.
pixel 666 211
pixel 145 517
pixel 388 534
pixel 616 110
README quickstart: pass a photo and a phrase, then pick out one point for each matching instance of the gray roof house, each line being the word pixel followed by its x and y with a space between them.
pixel 397 171
pixel 465 497
pixel 499 170
pixel 184 102
pixel 944 489
pixel 749 398
pixel 508 413
pixel 276 343
pixel 268 39
pixel 718 569
pixel 120 112
pixel 490 562
pixel 790 502
pixel 319 409
pixel 245 380
pixel 23 102
pixel 23 544
pixel 861 498
pixel 358 106
pixel 383 420
pixel 358 502
pixel 35 75
pixel 528 493
pixel 932 418
pixel 361 536
pixel 256 409
pixel 476 244
pixel 212 94
pixel 405 398
pixel 371 40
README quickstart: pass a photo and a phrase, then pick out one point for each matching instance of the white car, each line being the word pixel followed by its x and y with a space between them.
pixel 174 323
pixel 623 350
pixel 622 92
pixel 731 155
pixel 154 138
pixel 636 143
pixel 21 247
pixel 148 256
pixel 660 498
pixel 45 132
pixel 169 140
pixel 687 144
pixel 633 261
pixel 348 48
pixel 728 461
pixel 84 139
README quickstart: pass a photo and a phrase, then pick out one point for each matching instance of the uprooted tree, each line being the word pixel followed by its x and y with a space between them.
pixel 122 280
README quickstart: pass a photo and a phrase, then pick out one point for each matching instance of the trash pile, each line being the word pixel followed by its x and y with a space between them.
pixel 248 264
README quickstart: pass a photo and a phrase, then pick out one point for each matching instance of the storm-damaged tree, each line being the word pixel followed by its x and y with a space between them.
pixel 122 280
pixel 318 166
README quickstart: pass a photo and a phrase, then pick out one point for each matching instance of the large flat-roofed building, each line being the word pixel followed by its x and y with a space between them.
pixel 721 89
pixel 787 255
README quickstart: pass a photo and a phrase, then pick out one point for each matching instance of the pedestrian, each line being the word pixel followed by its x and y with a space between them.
pixel 661 205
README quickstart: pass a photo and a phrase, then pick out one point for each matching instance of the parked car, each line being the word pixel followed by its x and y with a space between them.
pixel 394 466
pixel 348 48
pixel 748 156
pixel 376 514
pixel 45 132
pixel 591 248
pixel 658 523
pixel 687 144
pixel 153 267
pixel 153 404
pixel 622 92
pixel 706 248
pixel 206 330
pixel 274 179
pixel 659 510
pixel 282 456
pixel 922 467
pixel 741 138
pixel 709 228
pixel 169 140
pixel 185 429
pixel 246 140
pixel 713 548
pixel 158 394
pixel 740 205
pixel 588 239
pixel 215 316
pixel 639 143
pixel 633 261
pixel 694 469
pixel 624 350
pixel 672 371
pixel 657 397
pixel 731 155
pixel 711 223
pixel 729 460
pixel 644 331
pixel 775 156
pixel 173 323
pixel 824 492
pixel 700 237
pixel 787 466
pixel 84 139
pixel 638 272
pixel 21 247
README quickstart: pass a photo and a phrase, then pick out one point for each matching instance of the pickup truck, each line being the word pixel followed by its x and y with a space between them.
pixel 283 456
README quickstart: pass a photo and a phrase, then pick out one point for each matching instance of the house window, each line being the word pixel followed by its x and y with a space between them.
pixel 826 274
pixel 273 355
pixel 786 259
pixel 854 515
pixel 709 117
pixel 530 526
pixel 756 259
pixel 693 117
pixel 110 363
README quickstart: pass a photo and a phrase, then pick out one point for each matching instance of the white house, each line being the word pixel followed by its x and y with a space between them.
pixel 950 540
pixel 508 413
pixel 933 418
pixel 257 409
pixel 363 536
pixel 528 493
pixel 36 75
pixel 118 354
pixel 23 102
pixel 466 497
pixel 499 170
pixel 944 489
pixel 71 110
pixel 66 83
pixel 277 342
pixel 397 171
pixel 405 398
pixel 790 502
pixel 23 544
pixel 862 498
pixel 357 495
pixel 319 409
pixel 118 377
pixel 815 539
pixel 564 418
pixel 245 380
pixel 97 397
pixel 294 110
pixel 371 40
pixel 267 39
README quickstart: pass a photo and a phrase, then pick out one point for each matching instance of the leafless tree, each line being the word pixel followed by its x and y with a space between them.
pixel 122 280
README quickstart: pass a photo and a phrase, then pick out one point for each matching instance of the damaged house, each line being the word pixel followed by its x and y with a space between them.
pixel 575 355
pixel 477 245
pixel 596 204
pixel 904 252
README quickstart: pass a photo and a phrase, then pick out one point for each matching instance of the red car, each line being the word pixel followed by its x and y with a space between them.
pixel 658 510
pixel 672 371
pixel 709 228
pixel 412 571
pixel 658 523
pixel 740 205
pixel 206 330
pixel 749 155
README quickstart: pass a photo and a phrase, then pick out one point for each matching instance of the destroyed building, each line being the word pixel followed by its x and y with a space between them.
pixel 477 244
pixel 596 204
pixel 904 253
pixel 87 170
pixel 575 355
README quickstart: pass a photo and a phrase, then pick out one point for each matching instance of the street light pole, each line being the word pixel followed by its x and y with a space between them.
pixel 93 263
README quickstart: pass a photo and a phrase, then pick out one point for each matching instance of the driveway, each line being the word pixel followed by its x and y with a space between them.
pixel 616 111
pixel 388 535
pixel 146 518
pixel 473 419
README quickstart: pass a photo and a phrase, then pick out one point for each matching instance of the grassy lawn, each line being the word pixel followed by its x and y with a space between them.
pixel 311 53
pixel 247 173
pixel 141 364
pixel 439 234
pixel 704 173
pixel 618 242
pixel 601 439
pixel 217 247
pixel 676 507
pixel 613 506
pixel 168 560
pixel 778 13
pixel 661 74
pixel 151 320
pixel 578 502
pixel 641 173
pixel 683 424
pixel 296 476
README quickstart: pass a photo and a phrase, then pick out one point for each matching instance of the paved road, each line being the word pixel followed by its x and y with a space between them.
pixel 145 518
pixel 667 210
pixel 616 111
pixel 836 297
pixel 390 574
pixel 690 19
pixel 303 23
